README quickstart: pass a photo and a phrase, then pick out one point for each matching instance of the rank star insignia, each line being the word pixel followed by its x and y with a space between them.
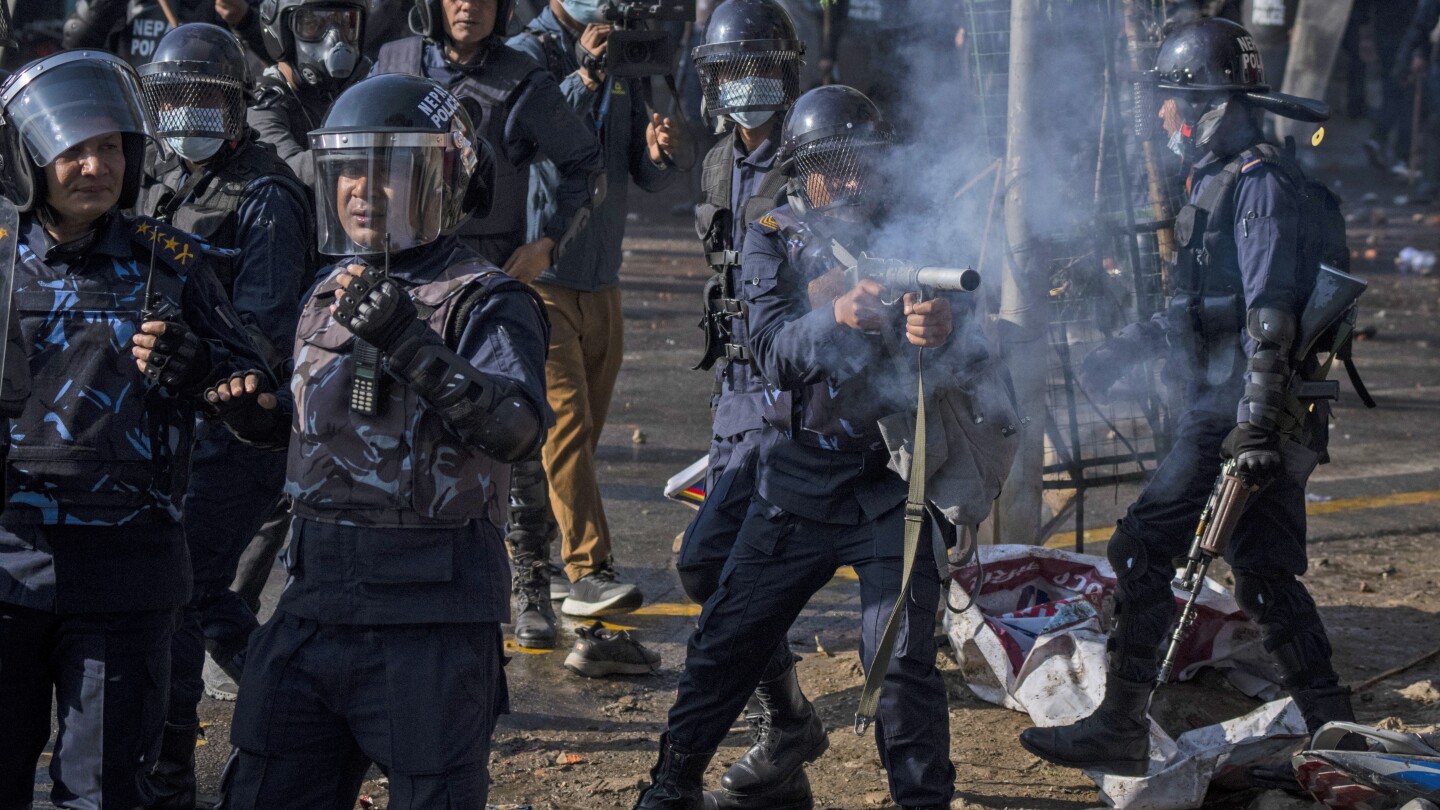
pixel 142 228
pixel 172 243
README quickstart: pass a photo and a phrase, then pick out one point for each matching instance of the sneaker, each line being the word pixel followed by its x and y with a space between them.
pixel 599 652
pixel 559 582
pixel 600 594
pixel 218 684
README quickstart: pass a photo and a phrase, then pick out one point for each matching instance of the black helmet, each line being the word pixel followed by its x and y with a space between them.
pixel 62 100
pixel 1216 56
pixel 321 39
pixel 427 18
pixel 195 88
pixel 829 145
pixel 750 61
pixel 397 163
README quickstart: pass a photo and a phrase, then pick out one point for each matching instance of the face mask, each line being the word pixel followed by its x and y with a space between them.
pixel 751 91
pixel 195 150
pixel 585 12
pixel 330 58
pixel 751 119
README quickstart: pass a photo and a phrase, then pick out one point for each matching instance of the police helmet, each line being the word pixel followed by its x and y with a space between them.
pixel 321 39
pixel 397 163
pixel 62 100
pixel 196 85
pixel 830 146
pixel 1217 57
pixel 750 60
pixel 427 18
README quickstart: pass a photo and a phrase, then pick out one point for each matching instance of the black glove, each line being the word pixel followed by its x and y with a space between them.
pixel 377 310
pixel 179 360
pixel 1114 358
pixel 1256 452
pixel 244 415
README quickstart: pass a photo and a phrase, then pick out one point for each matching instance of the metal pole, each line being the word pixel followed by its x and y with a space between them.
pixel 1022 319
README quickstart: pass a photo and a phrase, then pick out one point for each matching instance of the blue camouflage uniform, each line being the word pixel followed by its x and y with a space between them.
pixel 1253 264
pixel 824 498
pixel 92 556
pixel 246 199
pixel 738 405
pixel 386 645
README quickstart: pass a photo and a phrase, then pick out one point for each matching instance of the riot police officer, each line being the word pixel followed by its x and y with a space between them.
pixel 132 29
pixel 823 496
pixel 124 326
pixel 462 46
pixel 235 193
pixel 749 67
pixel 1243 273
pixel 386 644
pixel 316 48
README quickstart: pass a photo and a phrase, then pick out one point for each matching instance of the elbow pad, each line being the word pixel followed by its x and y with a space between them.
pixel 486 411
pixel 1267 380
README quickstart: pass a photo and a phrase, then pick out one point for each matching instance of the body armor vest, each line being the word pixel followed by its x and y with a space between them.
pixel 403 466
pixel 495 83
pixel 724 317
pixel 98 443
pixel 822 414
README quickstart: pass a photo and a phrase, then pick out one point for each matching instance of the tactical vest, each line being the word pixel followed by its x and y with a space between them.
pixel 723 321
pixel 817 415
pixel 495 83
pixel 213 214
pixel 98 443
pixel 403 466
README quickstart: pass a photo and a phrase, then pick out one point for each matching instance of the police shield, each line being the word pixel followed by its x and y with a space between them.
pixel 9 242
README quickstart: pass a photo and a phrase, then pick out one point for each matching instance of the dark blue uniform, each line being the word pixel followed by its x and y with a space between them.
pixel 824 498
pixel 261 211
pixel 386 644
pixel 739 409
pixel 1256 264
pixel 97 470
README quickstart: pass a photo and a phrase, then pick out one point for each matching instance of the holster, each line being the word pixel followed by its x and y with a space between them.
pixel 1211 332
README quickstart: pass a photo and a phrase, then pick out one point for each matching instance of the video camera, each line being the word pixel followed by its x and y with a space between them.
pixel 634 49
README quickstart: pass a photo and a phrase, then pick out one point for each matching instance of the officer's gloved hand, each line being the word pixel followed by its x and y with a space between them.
pixel 246 404
pixel 169 353
pixel 375 308
pixel 1113 359
pixel 1256 452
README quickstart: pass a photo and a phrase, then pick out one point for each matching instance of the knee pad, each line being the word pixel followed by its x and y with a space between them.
pixel 1290 628
pixel 1139 580
pixel 700 583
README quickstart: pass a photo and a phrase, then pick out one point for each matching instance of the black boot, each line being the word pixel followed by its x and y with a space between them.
pixel 171 783
pixel 791 794
pixel 677 781
pixel 534 616
pixel 789 734
pixel 1114 739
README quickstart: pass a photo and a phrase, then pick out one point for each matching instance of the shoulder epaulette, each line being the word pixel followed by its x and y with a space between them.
pixel 176 248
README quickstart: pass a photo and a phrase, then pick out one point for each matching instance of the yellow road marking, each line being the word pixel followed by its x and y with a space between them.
pixel 1317 508
pixel 669 609
pixel 512 648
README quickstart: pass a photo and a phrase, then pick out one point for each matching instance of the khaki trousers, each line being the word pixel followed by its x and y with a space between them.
pixel 586 345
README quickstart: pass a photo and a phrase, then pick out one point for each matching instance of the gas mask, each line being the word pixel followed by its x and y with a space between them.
pixel 586 12
pixel 332 58
pixel 751 91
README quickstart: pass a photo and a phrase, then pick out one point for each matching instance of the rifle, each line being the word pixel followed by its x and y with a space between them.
pixel 1212 535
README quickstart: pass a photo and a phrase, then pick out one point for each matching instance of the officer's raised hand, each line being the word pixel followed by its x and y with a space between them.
pixel 375 308
pixel 169 353
pixel 928 323
pixel 1256 452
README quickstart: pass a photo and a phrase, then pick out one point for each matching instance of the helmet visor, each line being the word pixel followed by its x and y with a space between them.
pixel 398 192
pixel 71 101
pixel 744 81
pixel 840 170
pixel 186 103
